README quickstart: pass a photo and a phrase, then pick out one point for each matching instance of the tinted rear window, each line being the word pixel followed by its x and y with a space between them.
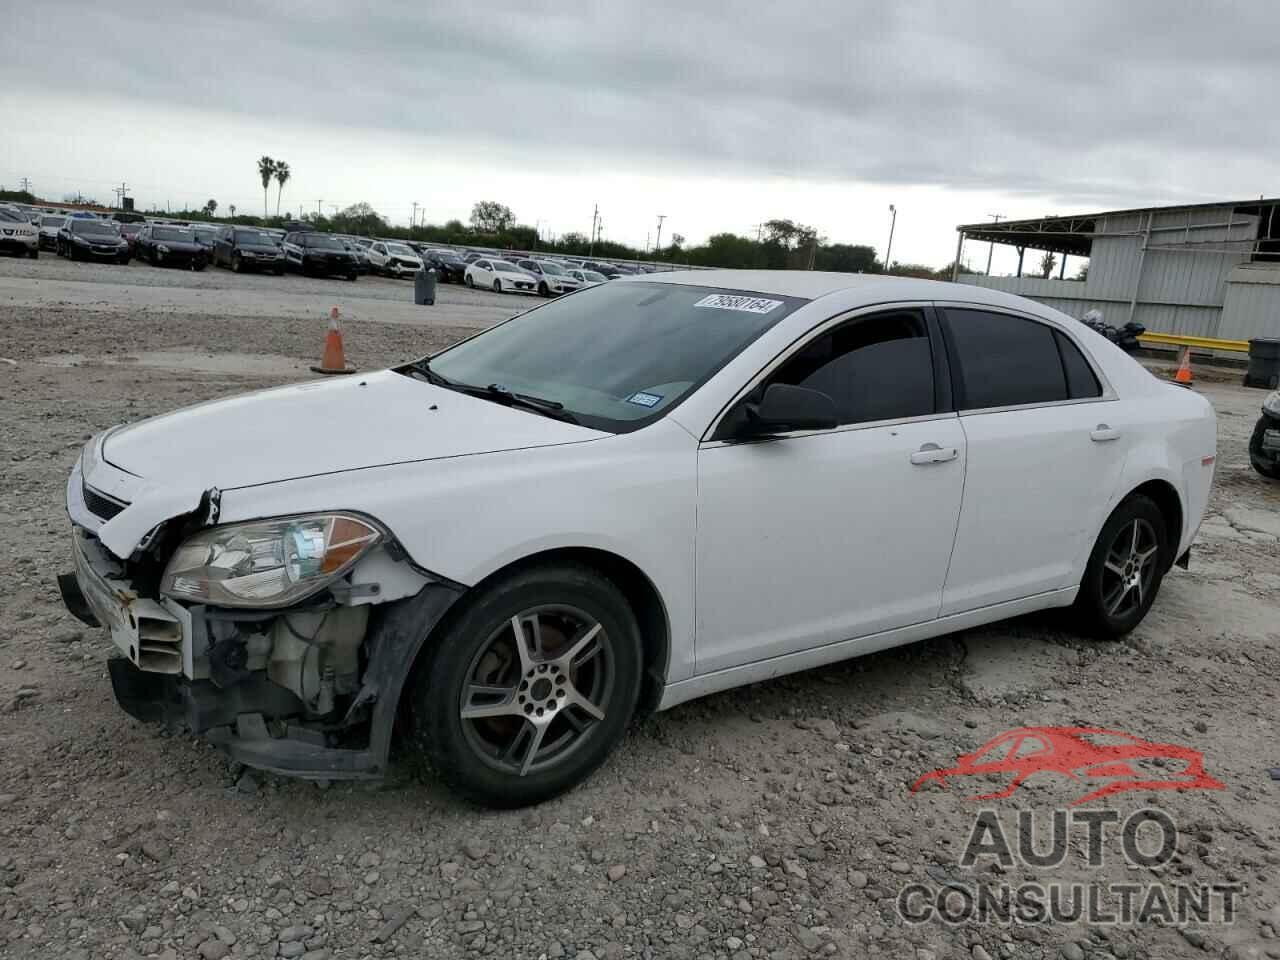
pixel 1004 360
pixel 1082 382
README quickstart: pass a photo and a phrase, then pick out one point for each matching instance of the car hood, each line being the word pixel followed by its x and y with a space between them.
pixel 180 246
pixel 320 427
pixel 258 247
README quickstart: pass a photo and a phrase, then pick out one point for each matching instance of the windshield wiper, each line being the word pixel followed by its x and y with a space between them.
pixel 550 408
pixel 495 392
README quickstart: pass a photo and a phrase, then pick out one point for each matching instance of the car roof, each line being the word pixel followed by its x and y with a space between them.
pixel 865 287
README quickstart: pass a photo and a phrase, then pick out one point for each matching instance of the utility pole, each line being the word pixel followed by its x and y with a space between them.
pixel 25 184
pixel 413 221
pixel 595 218
pixel 319 212
pixel 893 222
pixel 991 247
pixel 657 244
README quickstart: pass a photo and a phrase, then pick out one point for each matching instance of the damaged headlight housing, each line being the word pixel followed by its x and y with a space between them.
pixel 1272 403
pixel 267 563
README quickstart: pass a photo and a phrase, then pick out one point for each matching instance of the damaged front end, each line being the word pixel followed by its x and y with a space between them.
pixel 286 641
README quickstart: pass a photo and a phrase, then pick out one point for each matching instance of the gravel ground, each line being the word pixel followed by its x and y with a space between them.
pixel 774 821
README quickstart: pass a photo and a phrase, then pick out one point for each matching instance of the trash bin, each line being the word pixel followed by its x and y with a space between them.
pixel 424 287
pixel 1264 363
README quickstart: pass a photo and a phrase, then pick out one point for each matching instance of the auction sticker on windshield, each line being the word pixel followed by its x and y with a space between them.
pixel 725 301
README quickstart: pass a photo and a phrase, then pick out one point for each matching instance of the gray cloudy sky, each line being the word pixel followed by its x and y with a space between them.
pixel 718 114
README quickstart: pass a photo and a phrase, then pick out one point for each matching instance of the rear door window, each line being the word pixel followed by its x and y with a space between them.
pixel 1082 382
pixel 1003 360
pixel 875 368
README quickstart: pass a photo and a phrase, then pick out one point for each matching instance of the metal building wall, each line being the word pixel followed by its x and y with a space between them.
pixel 1253 304
pixel 1177 284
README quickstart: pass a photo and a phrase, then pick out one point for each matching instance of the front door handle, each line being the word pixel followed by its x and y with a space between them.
pixel 932 453
pixel 1102 433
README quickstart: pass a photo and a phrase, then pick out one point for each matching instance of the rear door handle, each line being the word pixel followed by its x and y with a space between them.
pixel 932 453
pixel 1102 433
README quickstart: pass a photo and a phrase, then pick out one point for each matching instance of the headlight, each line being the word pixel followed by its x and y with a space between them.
pixel 1272 403
pixel 163 248
pixel 270 563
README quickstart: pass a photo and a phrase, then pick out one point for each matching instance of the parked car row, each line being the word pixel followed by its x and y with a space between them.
pixel 165 243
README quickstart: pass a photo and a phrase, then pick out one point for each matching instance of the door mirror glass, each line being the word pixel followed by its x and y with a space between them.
pixel 784 408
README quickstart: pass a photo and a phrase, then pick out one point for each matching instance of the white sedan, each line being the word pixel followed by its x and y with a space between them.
pixel 500 276
pixel 587 278
pixel 650 491
pixel 393 259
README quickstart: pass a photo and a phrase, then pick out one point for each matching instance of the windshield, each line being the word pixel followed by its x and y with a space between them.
pixel 322 240
pixel 8 216
pixel 553 269
pixel 618 355
pixel 175 234
pixel 503 267
pixel 52 221
pixel 98 228
pixel 208 236
pixel 595 277
pixel 129 229
pixel 400 250
pixel 252 236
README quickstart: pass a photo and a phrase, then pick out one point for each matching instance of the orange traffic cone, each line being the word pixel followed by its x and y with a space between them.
pixel 1183 376
pixel 333 360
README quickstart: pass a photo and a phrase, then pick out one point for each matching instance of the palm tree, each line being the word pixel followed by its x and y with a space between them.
pixel 266 169
pixel 232 208
pixel 282 177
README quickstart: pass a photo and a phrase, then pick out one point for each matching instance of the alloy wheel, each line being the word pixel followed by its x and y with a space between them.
pixel 537 689
pixel 1129 569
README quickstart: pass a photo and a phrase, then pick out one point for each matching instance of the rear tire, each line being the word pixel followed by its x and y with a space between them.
pixel 579 644
pixel 1125 569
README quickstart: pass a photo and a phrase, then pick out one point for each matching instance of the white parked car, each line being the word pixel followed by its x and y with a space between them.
pixel 587 278
pixel 17 234
pixel 50 224
pixel 553 279
pixel 393 259
pixel 500 276
pixel 649 491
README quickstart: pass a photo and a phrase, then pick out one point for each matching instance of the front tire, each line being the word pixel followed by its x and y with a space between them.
pixel 1263 464
pixel 34 253
pixel 510 718
pixel 497 286
pixel 543 289
pixel 1125 569
pixel 470 281
pixel 237 263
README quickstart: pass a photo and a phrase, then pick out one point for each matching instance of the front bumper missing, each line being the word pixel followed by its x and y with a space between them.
pixel 260 724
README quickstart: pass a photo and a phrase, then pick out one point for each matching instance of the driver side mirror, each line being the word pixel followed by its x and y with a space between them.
pixel 784 408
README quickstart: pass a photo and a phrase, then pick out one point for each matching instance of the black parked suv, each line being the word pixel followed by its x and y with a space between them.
pixel 319 253
pixel 92 239
pixel 165 245
pixel 449 266
pixel 244 248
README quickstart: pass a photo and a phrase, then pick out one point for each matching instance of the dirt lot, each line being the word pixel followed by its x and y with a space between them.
pixel 775 821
